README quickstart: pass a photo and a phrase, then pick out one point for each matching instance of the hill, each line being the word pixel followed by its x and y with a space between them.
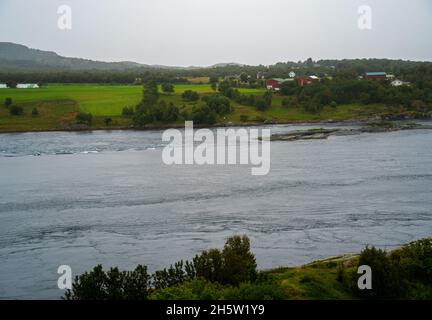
pixel 19 57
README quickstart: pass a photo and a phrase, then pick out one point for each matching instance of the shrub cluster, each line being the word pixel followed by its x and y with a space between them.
pixel 402 273
pixel 234 266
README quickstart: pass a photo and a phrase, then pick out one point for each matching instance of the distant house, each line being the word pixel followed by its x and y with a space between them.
pixel 3 86
pixel 398 83
pixel 275 84
pixel 375 75
pixel 304 81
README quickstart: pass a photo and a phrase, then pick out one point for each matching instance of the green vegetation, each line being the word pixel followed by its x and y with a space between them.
pixel 8 102
pixel 190 95
pixel 84 118
pixel 231 273
pixel 185 94
pixel 16 110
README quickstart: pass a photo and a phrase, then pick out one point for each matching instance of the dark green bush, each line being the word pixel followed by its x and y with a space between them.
pixel 415 261
pixel 8 102
pixel 16 110
pixel 128 111
pixel 110 285
pixel 385 278
pixel 84 118
pixel 190 95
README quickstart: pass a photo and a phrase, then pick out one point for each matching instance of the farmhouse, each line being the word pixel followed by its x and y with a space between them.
pixel 275 84
pixel 3 86
pixel 375 76
pixel 304 81
pixel 27 86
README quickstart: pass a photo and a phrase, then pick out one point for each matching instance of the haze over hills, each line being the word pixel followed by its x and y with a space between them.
pixel 19 57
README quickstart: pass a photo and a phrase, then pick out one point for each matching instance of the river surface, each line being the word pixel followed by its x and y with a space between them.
pixel 82 199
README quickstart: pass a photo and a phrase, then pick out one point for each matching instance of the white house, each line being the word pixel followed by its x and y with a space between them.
pixel 3 86
pixel 27 86
pixel 398 83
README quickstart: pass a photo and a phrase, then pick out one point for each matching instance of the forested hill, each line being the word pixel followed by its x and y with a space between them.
pixel 18 57
pixel 22 64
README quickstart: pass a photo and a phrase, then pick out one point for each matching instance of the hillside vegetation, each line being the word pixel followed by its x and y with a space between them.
pixel 58 106
pixel 231 273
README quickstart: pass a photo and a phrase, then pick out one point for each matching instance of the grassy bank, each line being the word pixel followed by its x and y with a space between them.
pixel 231 273
pixel 58 106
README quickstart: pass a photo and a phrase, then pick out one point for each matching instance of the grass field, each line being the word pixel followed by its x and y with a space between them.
pixel 58 105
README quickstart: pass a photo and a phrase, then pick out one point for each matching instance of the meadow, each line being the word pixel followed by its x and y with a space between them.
pixel 58 105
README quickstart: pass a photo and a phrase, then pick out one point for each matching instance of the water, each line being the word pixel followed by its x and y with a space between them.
pixel 82 199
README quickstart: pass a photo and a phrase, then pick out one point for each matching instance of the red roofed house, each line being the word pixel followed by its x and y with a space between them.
pixel 275 84
pixel 304 81
pixel 375 76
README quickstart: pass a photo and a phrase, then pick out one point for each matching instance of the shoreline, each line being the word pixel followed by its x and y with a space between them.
pixel 201 126
pixel 322 134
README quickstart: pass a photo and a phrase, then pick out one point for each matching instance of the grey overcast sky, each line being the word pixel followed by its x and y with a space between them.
pixel 204 32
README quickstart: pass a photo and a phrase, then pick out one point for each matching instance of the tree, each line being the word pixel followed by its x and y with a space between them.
pixel 218 103
pixel 226 89
pixel 209 265
pixel 244 77
pixel 214 86
pixel 111 285
pixel 289 88
pixel 8 102
pixel 239 262
pixel 127 111
pixel 84 118
pixel 214 80
pixel 385 283
pixel 150 94
pixel 167 88
pixel 16 110
pixel 203 115
pixel 190 95
pixel 35 112
pixel 233 265
pixel 108 121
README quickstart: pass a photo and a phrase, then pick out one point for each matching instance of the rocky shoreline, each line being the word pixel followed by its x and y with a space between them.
pixel 321 133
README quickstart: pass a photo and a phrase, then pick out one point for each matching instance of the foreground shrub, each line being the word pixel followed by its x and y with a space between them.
pixel 110 285
pixel 416 261
pixel 234 265
pixel 174 275
pixel 385 279
pixel 200 289
pixel 196 289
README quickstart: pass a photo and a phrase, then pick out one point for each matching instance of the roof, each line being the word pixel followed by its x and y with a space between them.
pixel 281 80
pixel 380 73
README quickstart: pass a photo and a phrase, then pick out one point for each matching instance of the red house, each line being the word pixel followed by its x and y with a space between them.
pixel 375 76
pixel 304 81
pixel 274 84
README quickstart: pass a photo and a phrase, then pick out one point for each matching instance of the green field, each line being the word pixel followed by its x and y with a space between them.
pixel 58 104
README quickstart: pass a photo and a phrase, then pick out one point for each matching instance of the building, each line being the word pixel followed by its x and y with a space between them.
pixel 27 86
pixel 375 75
pixel 304 81
pixel 275 84
pixel 398 83
pixel 3 86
